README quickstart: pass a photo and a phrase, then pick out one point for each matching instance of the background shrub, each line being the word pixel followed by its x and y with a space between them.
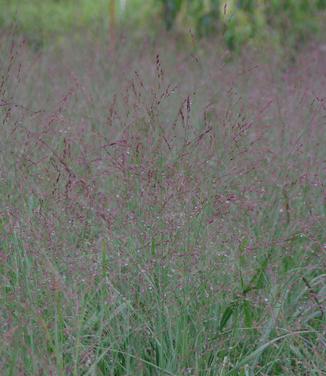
pixel 239 21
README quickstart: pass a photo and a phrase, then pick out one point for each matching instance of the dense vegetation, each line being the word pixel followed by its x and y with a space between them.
pixel 161 216
pixel 239 21
pixel 162 208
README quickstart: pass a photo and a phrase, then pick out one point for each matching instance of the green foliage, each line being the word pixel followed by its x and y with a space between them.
pixel 41 20
pixel 170 9
pixel 243 20
pixel 240 21
pixel 295 20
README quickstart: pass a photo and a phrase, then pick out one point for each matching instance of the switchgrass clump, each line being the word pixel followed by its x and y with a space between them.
pixel 162 212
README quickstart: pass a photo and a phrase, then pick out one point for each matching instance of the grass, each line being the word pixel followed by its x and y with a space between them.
pixel 161 212
pixel 49 22
pixel 51 16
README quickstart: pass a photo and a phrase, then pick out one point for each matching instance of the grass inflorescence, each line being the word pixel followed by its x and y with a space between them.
pixel 161 212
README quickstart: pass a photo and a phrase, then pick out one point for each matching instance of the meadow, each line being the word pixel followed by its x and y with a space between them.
pixel 162 210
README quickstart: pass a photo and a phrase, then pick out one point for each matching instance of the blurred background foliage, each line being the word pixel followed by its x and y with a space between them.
pixel 238 21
